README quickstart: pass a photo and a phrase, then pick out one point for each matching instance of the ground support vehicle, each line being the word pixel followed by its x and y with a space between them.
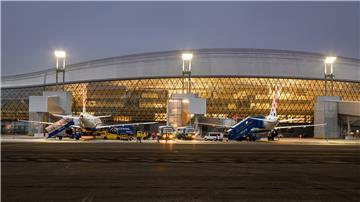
pixel 166 133
pixel 142 134
pixel 61 128
pixel 74 135
pixel 244 130
pixel 119 133
pixel 185 133
pixel 214 136
pixel 110 136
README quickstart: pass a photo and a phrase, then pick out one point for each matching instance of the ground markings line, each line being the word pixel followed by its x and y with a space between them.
pixel 42 160
pixel 187 160
pixel 63 160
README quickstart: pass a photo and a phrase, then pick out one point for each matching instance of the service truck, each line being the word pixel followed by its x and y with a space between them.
pixel 185 133
pixel 120 133
pixel 166 133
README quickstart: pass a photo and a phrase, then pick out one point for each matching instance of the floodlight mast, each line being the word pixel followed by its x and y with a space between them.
pixel 186 70
pixel 329 73
pixel 59 54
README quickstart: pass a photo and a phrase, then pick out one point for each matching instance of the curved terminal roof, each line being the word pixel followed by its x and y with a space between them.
pixel 205 63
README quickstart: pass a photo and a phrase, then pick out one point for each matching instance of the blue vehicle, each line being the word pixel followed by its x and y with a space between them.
pixel 76 135
pixel 61 128
pixel 122 130
pixel 246 129
pixel 120 133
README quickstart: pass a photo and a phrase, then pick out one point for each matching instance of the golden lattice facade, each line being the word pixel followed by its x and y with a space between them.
pixel 145 99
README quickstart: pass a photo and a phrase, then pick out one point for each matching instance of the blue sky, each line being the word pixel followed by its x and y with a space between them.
pixel 31 31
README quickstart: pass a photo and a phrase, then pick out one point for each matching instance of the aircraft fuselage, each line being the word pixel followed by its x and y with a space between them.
pixel 89 121
pixel 270 123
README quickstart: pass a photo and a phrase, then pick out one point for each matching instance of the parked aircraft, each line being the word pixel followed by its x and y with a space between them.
pixel 86 123
pixel 248 127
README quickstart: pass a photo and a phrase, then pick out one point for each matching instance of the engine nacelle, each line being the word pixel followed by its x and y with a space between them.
pixel 274 133
pixel 69 131
pixel 113 130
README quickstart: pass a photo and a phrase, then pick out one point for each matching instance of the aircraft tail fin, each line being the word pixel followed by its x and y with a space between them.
pixel 84 105
pixel 273 113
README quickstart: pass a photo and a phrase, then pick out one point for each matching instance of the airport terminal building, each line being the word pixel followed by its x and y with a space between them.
pixel 235 83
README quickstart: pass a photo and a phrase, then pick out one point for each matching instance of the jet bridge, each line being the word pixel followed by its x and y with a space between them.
pixel 342 117
pixel 40 108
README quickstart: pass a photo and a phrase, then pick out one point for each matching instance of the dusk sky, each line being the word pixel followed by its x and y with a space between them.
pixel 31 31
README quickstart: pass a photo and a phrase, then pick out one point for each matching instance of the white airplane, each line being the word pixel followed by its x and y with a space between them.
pixel 85 122
pixel 93 123
pixel 248 127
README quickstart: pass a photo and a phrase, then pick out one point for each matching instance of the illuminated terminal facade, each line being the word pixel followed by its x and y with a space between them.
pixel 235 83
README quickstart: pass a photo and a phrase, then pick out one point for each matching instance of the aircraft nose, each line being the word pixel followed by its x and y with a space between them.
pixel 81 120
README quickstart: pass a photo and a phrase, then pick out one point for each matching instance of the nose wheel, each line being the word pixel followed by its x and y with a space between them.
pixel 272 135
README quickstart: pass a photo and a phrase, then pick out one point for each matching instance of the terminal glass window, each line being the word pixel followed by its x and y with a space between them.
pixel 146 99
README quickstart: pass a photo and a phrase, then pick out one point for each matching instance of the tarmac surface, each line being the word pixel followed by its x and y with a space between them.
pixel 179 171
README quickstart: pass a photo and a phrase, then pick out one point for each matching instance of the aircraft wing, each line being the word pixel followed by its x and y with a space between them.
pixel 66 116
pixel 287 120
pixel 215 125
pixel 103 116
pixel 260 119
pixel 124 124
pixel 300 126
pixel 40 122
pixel 76 117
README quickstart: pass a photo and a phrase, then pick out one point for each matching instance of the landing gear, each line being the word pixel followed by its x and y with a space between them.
pixel 69 131
pixel 272 135
pixel 60 137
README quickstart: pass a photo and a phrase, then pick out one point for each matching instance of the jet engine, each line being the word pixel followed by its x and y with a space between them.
pixel 274 133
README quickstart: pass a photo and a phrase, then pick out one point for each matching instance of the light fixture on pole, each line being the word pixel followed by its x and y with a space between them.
pixel 329 73
pixel 187 56
pixel 186 70
pixel 59 54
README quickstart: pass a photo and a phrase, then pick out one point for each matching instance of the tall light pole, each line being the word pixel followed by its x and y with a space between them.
pixel 59 54
pixel 329 72
pixel 186 70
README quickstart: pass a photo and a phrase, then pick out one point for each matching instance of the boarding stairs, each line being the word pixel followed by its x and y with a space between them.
pixel 59 126
pixel 244 128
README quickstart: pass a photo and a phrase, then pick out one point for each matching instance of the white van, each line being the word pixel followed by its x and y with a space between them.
pixel 214 136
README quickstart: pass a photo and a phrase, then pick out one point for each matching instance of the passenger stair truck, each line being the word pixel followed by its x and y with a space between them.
pixel 245 129
pixel 58 128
